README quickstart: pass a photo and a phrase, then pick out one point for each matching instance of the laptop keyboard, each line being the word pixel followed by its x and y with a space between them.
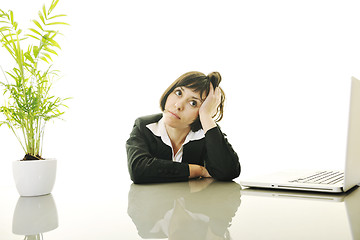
pixel 324 177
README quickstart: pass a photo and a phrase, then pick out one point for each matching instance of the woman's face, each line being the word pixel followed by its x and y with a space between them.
pixel 182 108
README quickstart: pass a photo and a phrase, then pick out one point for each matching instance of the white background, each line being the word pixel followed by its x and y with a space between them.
pixel 286 68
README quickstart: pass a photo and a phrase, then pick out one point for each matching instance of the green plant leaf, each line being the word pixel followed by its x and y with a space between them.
pixel 54 43
pixel 29 35
pixel 57 23
pixel 42 18
pixel 28 56
pixel 44 59
pixel 15 24
pixel 34 31
pixel 44 11
pixel 2 29
pixel 47 55
pixel 11 16
pixel 35 51
pixel 53 5
pixel 56 16
pixel 50 50
pixel 38 24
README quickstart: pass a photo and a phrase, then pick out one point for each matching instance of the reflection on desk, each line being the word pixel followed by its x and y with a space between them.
pixel 299 215
pixel 34 216
pixel 199 209
pixel 202 209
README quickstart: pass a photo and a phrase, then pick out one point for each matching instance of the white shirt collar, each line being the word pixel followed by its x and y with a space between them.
pixel 158 129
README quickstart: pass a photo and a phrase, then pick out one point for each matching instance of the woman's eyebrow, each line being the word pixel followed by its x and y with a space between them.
pixel 200 100
pixel 196 98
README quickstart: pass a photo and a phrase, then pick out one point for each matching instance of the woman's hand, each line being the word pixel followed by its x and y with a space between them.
pixel 198 171
pixel 209 107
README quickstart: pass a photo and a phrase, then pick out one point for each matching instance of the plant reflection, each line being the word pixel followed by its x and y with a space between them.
pixel 198 209
pixel 35 215
pixel 34 237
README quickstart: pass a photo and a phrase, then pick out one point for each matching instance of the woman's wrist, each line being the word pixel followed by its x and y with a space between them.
pixel 207 122
pixel 197 171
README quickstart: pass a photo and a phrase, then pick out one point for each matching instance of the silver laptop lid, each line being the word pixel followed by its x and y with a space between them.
pixel 352 163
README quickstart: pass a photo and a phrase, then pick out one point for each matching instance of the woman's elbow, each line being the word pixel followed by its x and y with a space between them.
pixel 136 174
pixel 137 178
pixel 227 175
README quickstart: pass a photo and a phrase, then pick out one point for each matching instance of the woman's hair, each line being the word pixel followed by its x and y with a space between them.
pixel 200 83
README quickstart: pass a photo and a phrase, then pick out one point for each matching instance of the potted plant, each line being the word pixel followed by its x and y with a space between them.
pixel 29 104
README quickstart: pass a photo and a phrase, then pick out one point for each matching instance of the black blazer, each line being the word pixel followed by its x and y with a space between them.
pixel 150 160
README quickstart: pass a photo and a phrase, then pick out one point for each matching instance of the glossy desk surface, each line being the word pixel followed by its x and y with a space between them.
pixel 198 209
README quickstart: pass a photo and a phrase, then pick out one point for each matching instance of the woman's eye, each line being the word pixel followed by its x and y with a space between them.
pixel 193 103
pixel 178 92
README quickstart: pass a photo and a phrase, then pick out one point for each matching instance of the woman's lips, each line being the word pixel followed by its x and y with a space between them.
pixel 174 114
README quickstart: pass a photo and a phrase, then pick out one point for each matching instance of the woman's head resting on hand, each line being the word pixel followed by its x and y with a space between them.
pixel 195 86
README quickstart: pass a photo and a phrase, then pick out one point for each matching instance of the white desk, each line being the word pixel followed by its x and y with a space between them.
pixel 200 209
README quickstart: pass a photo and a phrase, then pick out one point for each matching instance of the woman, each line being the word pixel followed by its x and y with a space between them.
pixel 183 141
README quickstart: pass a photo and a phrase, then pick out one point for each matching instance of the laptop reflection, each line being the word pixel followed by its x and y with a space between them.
pixel 299 215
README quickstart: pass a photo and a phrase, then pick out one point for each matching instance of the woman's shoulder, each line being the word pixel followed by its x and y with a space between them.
pixel 145 120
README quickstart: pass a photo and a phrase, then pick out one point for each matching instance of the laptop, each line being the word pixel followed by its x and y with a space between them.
pixel 322 180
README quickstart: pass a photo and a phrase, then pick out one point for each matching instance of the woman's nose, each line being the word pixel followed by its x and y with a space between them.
pixel 179 105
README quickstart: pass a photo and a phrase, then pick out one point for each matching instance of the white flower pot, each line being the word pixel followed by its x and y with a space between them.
pixel 34 177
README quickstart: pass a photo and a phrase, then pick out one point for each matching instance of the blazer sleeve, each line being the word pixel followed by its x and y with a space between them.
pixel 143 166
pixel 221 160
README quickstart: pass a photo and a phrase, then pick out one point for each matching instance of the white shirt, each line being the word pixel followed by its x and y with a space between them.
pixel 177 214
pixel 158 129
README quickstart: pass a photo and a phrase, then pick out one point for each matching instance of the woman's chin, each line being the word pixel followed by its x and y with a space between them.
pixel 171 121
